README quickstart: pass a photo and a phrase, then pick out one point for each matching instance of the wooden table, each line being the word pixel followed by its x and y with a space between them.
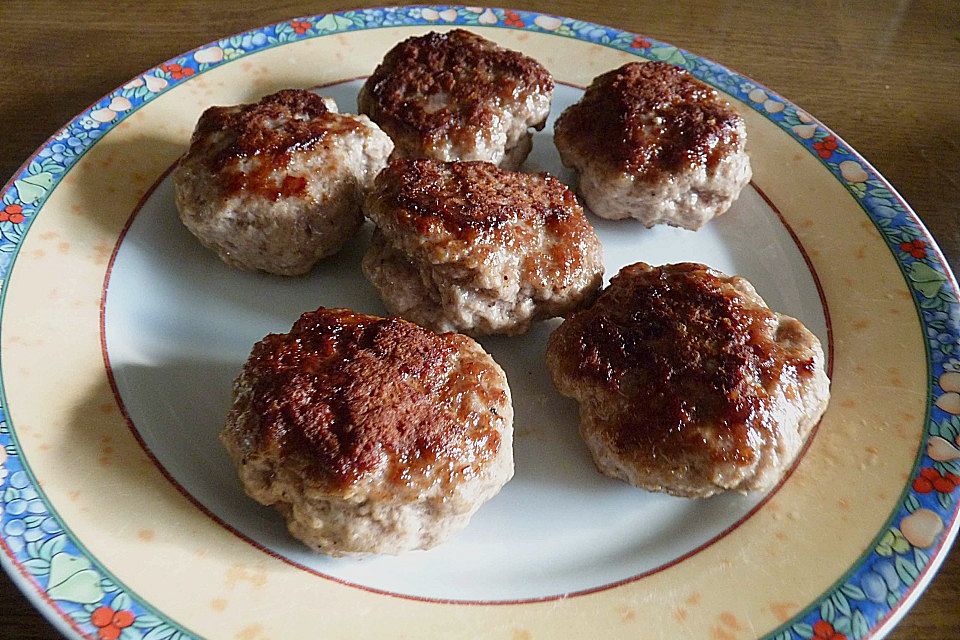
pixel 884 75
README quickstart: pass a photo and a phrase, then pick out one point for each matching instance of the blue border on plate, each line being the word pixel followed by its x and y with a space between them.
pixel 77 590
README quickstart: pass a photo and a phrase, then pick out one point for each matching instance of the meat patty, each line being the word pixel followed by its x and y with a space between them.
pixel 457 96
pixel 276 186
pixel 469 247
pixel 688 383
pixel 370 435
pixel 652 142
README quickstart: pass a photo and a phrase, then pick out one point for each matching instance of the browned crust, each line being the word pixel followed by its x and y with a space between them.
pixel 475 75
pixel 268 132
pixel 684 355
pixel 477 208
pixel 615 122
pixel 342 390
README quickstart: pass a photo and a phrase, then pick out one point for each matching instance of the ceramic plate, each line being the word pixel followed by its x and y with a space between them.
pixel 120 336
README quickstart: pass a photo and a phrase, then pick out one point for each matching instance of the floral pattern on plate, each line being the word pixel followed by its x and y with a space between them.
pixel 95 605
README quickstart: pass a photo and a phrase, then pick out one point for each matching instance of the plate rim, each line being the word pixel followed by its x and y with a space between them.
pixel 100 117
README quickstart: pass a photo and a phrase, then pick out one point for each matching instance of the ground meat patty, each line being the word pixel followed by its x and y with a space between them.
pixel 275 186
pixel 688 383
pixel 370 435
pixel 469 247
pixel 457 96
pixel 652 142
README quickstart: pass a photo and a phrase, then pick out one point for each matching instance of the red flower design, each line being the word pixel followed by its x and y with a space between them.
pixel 513 19
pixel 826 146
pixel 823 630
pixel 640 43
pixel 917 248
pixel 300 26
pixel 176 71
pixel 12 213
pixel 931 480
pixel 110 623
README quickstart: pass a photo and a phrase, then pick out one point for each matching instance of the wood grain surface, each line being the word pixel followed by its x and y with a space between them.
pixel 884 75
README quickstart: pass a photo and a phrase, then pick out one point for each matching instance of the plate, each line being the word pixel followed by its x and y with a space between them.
pixel 120 335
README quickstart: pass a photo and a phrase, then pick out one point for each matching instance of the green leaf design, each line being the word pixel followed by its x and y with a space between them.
pixel 860 628
pixel 121 601
pixel 803 630
pixel 131 633
pixel 827 611
pixel 783 635
pixel 954 423
pixel 853 592
pixel 926 279
pixel 37 566
pixel 332 22
pixel 900 544
pixel 52 547
pixel 72 579
pixel 892 542
pixel 11 494
pixel 82 616
pixel 669 54
pixel 146 621
pixel 911 503
pixel 840 602
pixel 945 500
pixel 163 632
pixel 934 429
pixel 32 188
pixel 357 20
pixel 920 559
pixel 906 570
pixel 892 600
pixel 843 625
pixel 858 189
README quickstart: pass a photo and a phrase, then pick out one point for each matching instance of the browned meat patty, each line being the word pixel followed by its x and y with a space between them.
pixel 457 96
pixel 469 247
pixel 652 142
pixel 688 383
pixel 276 185
pixel 370 435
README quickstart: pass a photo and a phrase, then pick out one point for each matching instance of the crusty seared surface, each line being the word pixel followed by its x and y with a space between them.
pixel 457 96
pixel 652 142
pixel 688 383
pixel 469 247
pixel 370 435
pixel 276 185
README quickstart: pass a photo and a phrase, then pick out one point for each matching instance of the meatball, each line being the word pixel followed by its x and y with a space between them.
pixel 276 186
pixel 370 435
pixel 469 247
pixel 652 142
pixel 688 383
pixel 457 96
